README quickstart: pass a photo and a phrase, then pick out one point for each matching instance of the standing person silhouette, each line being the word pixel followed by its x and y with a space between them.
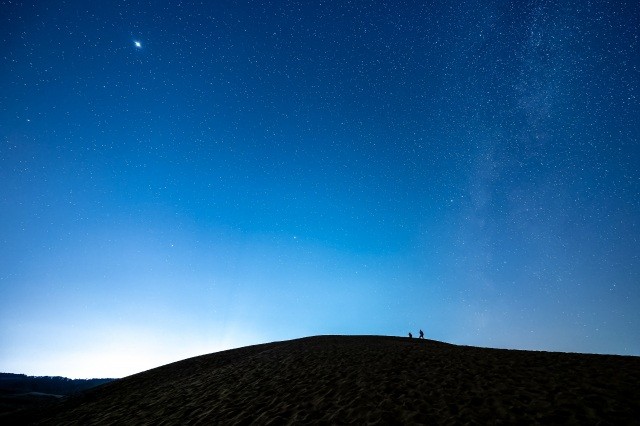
pixel 421 335
pixel 410 335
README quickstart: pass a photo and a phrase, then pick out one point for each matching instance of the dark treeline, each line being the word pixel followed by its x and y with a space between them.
pixel 21 383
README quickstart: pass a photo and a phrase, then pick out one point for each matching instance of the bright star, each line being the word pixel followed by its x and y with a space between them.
pixel 137 44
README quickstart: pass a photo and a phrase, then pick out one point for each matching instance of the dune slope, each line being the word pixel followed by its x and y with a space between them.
pixel 363 379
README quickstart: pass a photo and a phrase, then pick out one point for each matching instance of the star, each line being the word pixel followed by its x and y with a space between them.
pixel 137 44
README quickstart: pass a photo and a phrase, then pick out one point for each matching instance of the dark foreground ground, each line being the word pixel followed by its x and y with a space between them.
pixel 19 391
pixel 363 380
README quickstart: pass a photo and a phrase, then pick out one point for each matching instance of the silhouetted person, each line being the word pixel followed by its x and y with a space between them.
pixel 421 335
pixel 410 335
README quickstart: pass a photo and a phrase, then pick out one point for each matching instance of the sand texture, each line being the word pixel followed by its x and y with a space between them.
pixel 363 380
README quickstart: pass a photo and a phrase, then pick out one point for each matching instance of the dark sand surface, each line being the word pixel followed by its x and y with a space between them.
pixel 363 380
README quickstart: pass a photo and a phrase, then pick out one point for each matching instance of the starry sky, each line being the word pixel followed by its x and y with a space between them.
pixel 182 177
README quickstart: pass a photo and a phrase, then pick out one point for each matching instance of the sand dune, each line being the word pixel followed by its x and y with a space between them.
pixel 364 380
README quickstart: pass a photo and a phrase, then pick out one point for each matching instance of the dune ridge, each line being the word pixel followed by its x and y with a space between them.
pixel 363 380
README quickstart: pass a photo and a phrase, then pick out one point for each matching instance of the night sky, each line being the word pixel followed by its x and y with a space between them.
pixel 178 177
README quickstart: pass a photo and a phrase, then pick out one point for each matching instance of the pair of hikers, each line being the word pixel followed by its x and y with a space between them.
pixel 420 337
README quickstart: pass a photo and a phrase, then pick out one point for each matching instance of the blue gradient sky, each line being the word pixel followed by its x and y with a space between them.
pixel 264 170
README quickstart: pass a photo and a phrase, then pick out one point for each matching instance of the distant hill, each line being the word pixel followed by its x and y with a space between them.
pixel 21 383
pixel 362 380
pixel 19 391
